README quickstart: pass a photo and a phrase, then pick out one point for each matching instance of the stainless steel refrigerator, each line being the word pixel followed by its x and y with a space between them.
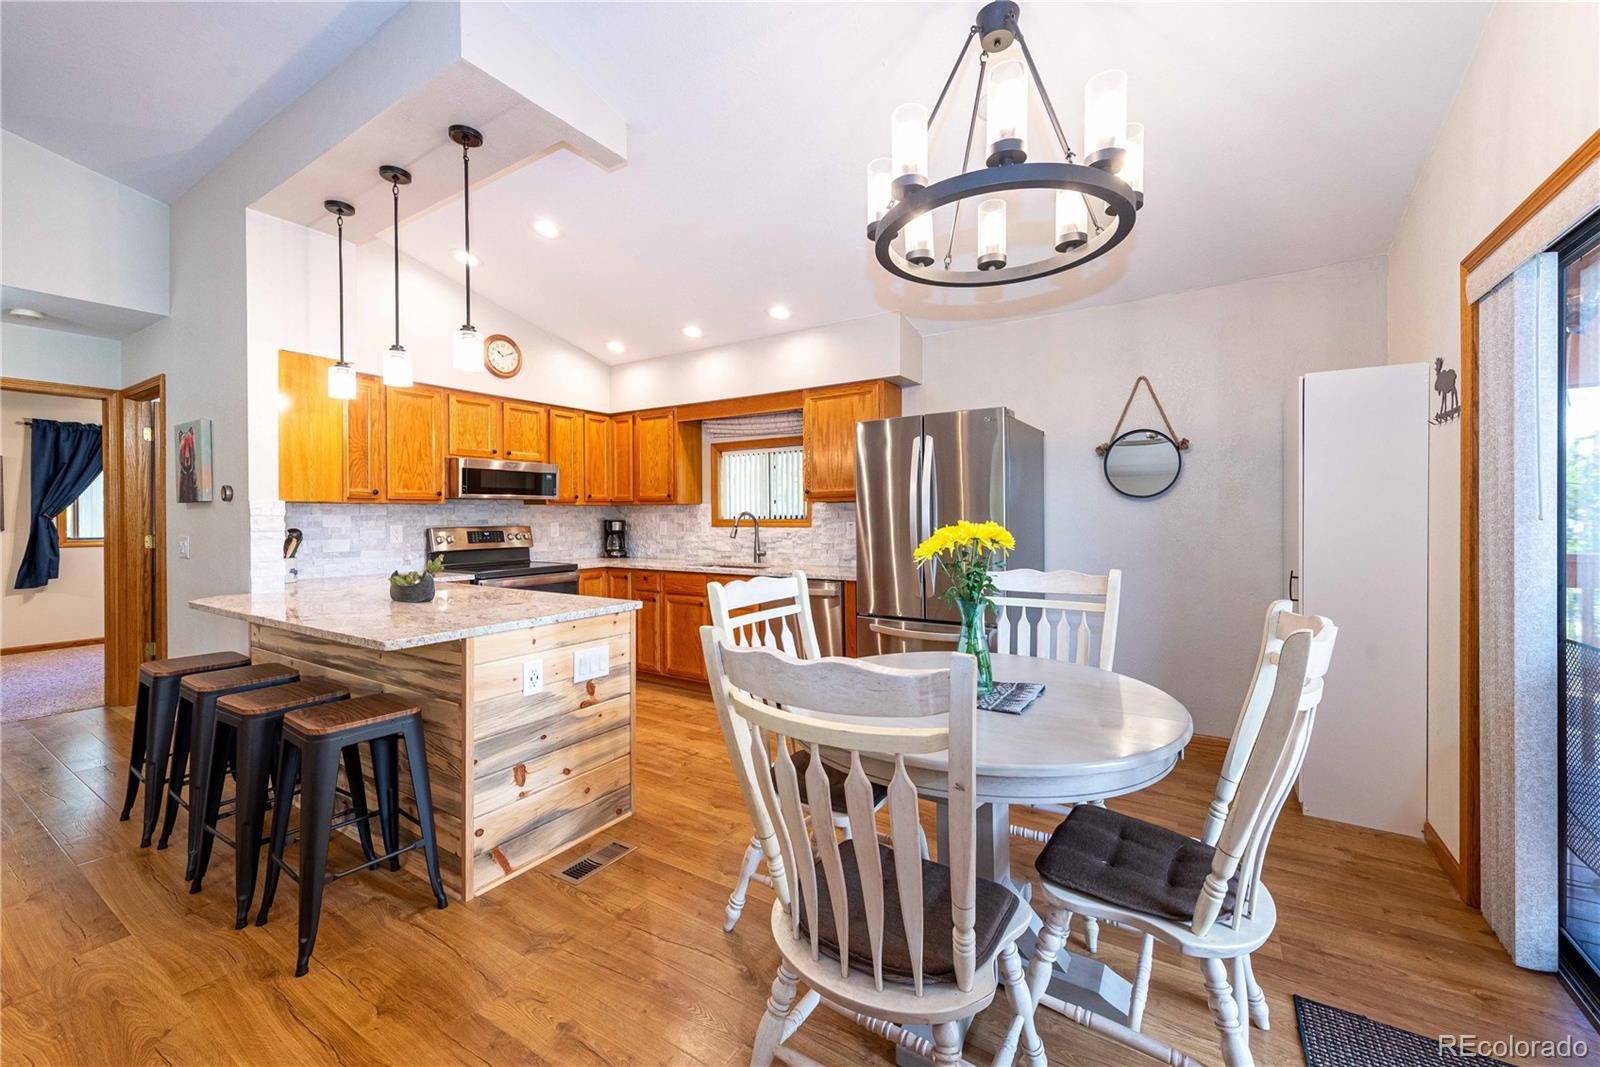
pixel 918 473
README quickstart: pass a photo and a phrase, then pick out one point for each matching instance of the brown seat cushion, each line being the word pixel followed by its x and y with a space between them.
pixel 344 714
pixel 996 907
pixel 250 676
pixel 181 665
pixel 276 698
pixel 1124 861
pixel 836 777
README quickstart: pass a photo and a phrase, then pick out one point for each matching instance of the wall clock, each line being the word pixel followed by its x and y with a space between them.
pixel 501 355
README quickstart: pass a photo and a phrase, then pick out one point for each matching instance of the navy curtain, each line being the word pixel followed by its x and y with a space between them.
pixel 66 458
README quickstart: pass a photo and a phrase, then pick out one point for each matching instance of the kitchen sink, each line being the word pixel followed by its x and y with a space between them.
pixel 724 565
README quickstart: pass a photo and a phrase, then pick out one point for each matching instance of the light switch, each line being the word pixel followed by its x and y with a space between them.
pixel 532 676
pixel 590 663
pixel 183 547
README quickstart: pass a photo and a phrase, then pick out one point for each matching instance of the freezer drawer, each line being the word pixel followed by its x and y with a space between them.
pixel 877 637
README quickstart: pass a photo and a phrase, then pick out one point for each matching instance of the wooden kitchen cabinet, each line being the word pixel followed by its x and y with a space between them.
pixel 646 589
pixel 617 584
pixel 414 439
pixel 596 458
pixel 666 466
pixel 525 429
pixel 310 431
pixel 622 459
pixel 684 609
pixel 474 426
pixel 566 452
pixel 364 466
pixel 592 582
pixel 830 417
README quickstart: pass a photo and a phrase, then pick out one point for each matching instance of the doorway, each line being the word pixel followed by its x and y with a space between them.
pixel 1578 703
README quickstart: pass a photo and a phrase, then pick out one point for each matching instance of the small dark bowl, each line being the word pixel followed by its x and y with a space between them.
pixel 420 593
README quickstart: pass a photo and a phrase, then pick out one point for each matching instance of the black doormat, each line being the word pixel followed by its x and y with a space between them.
pixel 1333 1037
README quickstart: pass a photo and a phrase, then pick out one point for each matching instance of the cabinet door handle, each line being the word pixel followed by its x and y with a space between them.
pixel 374 492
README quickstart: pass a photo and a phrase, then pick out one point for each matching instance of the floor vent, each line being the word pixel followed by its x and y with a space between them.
pixel 594 861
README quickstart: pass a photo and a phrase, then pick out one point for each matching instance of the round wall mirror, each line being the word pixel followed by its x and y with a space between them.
pixel 1143 463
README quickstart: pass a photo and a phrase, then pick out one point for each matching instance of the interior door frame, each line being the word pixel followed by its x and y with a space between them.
pixel 124 646
pixel 1467 871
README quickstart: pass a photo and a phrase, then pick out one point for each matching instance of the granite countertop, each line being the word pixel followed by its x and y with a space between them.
pixel 824 572
pixel 358 611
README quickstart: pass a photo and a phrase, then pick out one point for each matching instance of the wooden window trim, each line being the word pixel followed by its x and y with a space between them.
pixel 69 542
pixel 719 447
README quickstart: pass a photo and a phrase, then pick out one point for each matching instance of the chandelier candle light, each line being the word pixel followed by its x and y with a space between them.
pixel 468 352
pixel 341 376
pixel 397 361
pixel 1096 201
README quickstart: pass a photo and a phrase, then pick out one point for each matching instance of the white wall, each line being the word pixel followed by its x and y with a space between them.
pixel 78 235
pixel 57 356
pixel 1530 96
pixel 1201 563
pixel 879 346
pixel 71 607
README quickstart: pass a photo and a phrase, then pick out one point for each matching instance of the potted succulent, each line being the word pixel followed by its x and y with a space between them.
pixel 415 587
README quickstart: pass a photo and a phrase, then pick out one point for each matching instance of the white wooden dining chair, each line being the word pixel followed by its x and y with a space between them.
pixel 1054 615
pixel 1203 896
pixel 875 931
pixel 768 611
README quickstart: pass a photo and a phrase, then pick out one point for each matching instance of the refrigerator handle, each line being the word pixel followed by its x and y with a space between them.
pixel 930 573
pixel 916 468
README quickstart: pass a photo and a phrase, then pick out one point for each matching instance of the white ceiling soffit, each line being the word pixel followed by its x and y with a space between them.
pixel 154 95
pixel 1282 137
pixel 509 85
pixel 73 315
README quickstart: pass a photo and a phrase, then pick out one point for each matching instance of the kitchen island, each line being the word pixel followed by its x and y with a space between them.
pixel 517 776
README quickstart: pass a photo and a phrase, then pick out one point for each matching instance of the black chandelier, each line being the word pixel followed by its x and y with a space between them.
pixel 1096 201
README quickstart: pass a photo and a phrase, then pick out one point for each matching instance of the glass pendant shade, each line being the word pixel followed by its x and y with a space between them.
pixel 918 237
pixel 1132 170
pixel 1105 115
pixel 468 353
pixel 397 367
pixel 1008 112
pixel 878 191
pixel 908 145
pixel 992 234
pixel 1072 220
pixel 342 381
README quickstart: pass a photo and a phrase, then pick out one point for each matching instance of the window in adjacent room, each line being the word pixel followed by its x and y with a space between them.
pixel 83 524
pixel 764 477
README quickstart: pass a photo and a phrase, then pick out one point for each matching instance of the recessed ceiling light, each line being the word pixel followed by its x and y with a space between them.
pixel 616 346
pixel 546 228
pixel 465 257
pixel 692 332
pixel 26 313
pixel 778 311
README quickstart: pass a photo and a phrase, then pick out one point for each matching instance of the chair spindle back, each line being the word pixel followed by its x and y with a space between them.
pixel 1049 614
pixel 768 611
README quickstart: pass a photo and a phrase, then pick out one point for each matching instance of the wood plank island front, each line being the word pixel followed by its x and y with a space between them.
pixel 516 778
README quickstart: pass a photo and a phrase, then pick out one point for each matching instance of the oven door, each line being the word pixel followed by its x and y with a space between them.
pixel 560 582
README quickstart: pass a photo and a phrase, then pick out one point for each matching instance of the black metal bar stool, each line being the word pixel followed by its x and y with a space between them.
pixel 249 728
pixel 196 727
pixel 154 712
pixel 313 741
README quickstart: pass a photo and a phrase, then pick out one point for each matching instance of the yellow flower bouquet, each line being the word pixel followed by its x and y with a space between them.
pixel 965 552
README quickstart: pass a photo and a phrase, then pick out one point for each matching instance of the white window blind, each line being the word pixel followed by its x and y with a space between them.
pixel 86 521
pixel 768 482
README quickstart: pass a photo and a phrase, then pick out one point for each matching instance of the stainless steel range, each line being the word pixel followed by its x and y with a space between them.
pixel 499 555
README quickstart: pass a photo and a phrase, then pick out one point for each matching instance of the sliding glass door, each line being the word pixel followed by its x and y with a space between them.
pixel 1579 704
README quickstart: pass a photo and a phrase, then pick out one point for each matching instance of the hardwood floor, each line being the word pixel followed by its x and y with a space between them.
pixel 106 959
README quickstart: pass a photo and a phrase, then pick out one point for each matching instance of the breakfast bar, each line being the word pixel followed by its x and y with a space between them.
pixel 527 701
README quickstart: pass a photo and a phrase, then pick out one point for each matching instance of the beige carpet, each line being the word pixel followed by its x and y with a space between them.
pixel 42 683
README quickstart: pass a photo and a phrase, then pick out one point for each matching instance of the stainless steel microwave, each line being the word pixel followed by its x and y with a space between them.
pixel 502 479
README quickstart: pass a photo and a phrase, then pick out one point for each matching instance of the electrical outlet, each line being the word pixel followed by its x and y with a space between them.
pixel 183 547
pixel 397 534
pixel 590 663
pixel 532 676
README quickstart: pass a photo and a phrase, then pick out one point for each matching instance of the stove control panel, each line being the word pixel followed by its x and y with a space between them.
pixel 457 538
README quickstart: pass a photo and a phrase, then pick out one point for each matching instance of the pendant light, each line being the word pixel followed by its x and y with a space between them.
pixel 397 361
pixel 468 353
pixel 341 376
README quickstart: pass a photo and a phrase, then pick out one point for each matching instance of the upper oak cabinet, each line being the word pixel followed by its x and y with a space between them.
pixel 310 431
pixel 474 426
pixel 566 452
pixel 666 459
pixel 364 467
pixel 622 459
pixel 414 432
pixel 830 417
pixel 524 434
pixel 596 458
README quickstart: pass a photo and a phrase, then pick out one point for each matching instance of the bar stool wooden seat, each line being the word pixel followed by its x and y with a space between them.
pixel 314 740
pixel 155 711
pixel 194 732
pixel 249 728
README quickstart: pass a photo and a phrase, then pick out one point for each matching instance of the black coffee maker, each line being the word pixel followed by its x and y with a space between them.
pixel 614 538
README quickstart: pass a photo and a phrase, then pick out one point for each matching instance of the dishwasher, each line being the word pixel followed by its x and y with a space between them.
pixel 827 615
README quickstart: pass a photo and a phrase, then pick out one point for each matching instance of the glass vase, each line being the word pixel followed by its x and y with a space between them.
pixel 974 640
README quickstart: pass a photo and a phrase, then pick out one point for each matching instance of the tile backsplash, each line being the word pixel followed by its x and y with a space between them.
pixel 350 539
